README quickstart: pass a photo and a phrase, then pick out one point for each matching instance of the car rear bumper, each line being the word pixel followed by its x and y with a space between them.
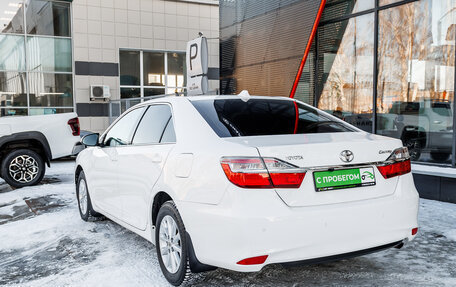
pixel 250 223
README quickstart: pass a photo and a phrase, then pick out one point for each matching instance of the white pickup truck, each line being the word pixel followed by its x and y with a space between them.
pixel 28 143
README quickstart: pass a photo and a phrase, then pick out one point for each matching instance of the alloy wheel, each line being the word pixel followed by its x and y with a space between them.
pixel 23 169
pixel 170 244
pixel 82 196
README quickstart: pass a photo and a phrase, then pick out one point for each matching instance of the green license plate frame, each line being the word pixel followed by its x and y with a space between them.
pixel 332 179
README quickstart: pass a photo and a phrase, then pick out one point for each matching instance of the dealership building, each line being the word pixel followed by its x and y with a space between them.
pixel 385 66
pixel 98 57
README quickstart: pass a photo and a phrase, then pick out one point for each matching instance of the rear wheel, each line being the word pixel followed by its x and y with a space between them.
pixel 23 167
pixel 84 202
pixel 440 156
pixel 171 245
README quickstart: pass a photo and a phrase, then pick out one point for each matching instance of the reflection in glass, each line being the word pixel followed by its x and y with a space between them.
pixel 12 53
pixel 129 68
pixel 346 69
pixel 49 54
pixel 126 93
pixel 12 16
pixel 176 68
pixel 48 18
pixel 122 131
pixel 48 111
pixel 153 92
pixel 154 69
pixel 338 8
pixel 416 77
pixel 12 89
pixel 7 112
pixel 386 2
pixel 50 90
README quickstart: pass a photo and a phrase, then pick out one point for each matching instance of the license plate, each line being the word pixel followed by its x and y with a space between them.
pixel 343 178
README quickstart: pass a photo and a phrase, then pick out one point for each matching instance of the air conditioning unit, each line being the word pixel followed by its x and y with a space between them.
pixel 99 92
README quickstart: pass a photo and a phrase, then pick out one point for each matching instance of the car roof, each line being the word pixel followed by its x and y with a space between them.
pixel 173 98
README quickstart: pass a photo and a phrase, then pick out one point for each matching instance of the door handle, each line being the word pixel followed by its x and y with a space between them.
pixel 156 158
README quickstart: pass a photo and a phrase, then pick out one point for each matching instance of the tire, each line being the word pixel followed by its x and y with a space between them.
pixel 84 202
pixel 23 167
pixel 179 272
pixel 414 148
pixel 440 156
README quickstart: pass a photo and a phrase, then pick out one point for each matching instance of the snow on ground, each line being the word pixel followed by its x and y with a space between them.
pixel 43 242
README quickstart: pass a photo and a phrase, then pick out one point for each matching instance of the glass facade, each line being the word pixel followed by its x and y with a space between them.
pixel 36 67
pixel 150 73
pixel 262 43
pixel 387 67
pixel 346 68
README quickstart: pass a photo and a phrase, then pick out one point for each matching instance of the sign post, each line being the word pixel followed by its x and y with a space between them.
pixel 196 60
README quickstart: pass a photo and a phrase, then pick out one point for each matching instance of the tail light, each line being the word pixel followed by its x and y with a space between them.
pixel 74 125
pixel 257 172
pixel 398 163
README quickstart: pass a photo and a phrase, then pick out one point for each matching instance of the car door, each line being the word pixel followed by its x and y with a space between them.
pixel 140 165
pixel 105 177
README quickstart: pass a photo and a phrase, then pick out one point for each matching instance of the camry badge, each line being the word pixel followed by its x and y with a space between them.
pixel 346 156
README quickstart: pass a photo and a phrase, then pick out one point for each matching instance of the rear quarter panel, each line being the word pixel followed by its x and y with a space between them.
pixel 193 172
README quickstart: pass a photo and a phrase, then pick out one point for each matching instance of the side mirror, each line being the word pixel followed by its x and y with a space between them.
pixel 90 140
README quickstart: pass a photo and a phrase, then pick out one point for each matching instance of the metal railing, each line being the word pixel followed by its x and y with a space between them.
pixel 117 107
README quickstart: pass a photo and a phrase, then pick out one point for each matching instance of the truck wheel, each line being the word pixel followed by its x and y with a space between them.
pixel 22 167
pixel 414 148
pixel 171 245
pixel 440 156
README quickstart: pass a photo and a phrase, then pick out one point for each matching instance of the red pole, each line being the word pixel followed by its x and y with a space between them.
pixel 309 44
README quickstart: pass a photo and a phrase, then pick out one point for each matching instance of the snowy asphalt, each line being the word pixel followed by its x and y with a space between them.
pixel 43 242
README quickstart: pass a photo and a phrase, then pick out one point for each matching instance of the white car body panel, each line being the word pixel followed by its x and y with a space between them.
pixel 54 127
pixel 135 183
pixel 228 223
pixel 318 151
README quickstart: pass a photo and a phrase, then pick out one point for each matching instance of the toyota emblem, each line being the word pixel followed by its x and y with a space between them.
pixel 346 156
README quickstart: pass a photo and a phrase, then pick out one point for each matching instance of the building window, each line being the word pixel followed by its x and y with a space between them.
pixel 36 74
pixel 48 18
pixel 150 73
pixel 402 89
pixel 415 90
pixel 12 17
pixel 346 61
pixel 337 8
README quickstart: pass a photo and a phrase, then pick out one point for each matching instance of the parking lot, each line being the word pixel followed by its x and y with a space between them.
pixel 43 241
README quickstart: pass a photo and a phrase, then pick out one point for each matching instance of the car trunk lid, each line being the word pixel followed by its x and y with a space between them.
pixel 322 152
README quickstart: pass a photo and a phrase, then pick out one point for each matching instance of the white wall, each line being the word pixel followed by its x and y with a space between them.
pixel 102 27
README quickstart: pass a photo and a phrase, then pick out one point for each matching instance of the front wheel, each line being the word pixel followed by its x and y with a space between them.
pixel 23 167
pixel 171 245
pixel 84 202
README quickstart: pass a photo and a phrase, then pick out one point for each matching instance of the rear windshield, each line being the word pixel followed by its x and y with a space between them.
pixel 258 117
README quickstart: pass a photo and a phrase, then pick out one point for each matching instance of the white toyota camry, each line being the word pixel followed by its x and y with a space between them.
pixel 243 182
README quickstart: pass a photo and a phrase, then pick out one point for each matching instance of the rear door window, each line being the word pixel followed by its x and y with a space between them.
pixel 255 117
pixel 153 126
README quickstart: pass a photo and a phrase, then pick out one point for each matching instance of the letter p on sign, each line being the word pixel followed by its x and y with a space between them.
pixel 193 53
pixel 197 57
